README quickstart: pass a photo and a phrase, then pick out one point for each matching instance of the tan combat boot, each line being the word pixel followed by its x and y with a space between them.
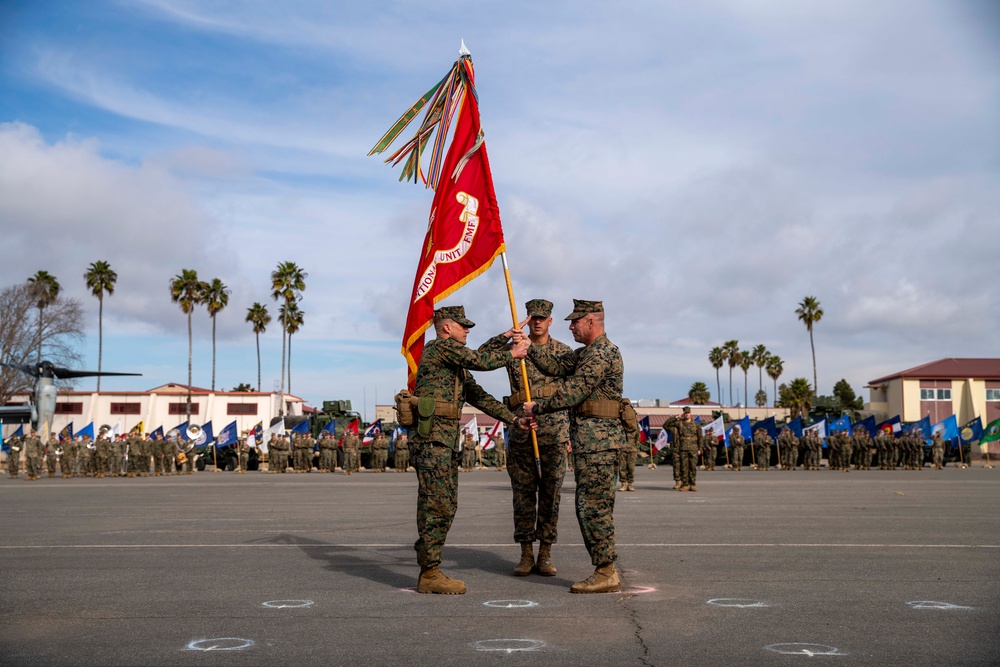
pixel 692 488
pixel 677 485
pixel 630 487
pixel 603 580
pixel 544 563
pixel 624 487
pixel 527 562
pixel 684 488
pixel 433 580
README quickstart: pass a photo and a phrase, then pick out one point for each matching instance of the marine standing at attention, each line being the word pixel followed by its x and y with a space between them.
pixel 443 386
pixel 536 501
pixel 591 387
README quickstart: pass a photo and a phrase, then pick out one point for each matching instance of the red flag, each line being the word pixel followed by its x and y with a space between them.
pixel 350 428
pixel 464 235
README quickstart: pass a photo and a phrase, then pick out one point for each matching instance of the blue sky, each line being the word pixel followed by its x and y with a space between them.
pixel 700 168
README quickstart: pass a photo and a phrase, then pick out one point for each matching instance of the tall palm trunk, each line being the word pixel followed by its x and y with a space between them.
pixel 258 362
pixel 100 338
pixel 746 394
pixel 813 346
pixel 774 399
pixel 731 387
pixel 284 351
pixel 718 386
pixel 39 334
pixel 289 363
pixel 213 352
pixel 187 408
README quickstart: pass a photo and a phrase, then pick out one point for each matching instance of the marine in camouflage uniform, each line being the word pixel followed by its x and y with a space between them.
pixel 102 456
pixel 34 451
pixel 443 385
pixel 626 462
pixel 591 387
pixel 14 457
pixel 402 453
pixel 380 452
pixel 788 444
pixel 708 449
pixel 535 501
pixel 862 443
pixel 327 453
pixel 68 459
pixel 736 444
pixel 937 451
pixel 51 457
pixel 762 449
pixel 468 452
pixel 352 458
pixel 687 440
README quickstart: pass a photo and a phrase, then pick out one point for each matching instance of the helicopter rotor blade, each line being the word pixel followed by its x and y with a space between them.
pixel 67 373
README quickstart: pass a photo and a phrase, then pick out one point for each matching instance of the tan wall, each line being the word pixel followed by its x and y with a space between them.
pixel 909 406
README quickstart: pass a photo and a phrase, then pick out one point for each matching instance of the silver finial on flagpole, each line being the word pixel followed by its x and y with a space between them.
pixel 464 51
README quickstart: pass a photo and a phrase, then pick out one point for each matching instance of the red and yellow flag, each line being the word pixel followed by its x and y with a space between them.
pixel 464 235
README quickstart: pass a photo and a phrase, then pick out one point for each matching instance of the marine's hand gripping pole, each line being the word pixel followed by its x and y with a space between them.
pixel 524 369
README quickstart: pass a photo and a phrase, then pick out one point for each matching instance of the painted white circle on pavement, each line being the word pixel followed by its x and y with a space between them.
pixel 510 604
pixel 742 603
pixel 934 604
pixel 220 644
pixel 287 604
pixel 508 645
pixel 798 648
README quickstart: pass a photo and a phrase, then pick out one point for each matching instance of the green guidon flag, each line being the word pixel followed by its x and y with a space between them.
pixel 991 433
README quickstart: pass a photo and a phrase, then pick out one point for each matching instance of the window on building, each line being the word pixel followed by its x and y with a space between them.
pixel 944 394
pixel 126 408
pixel 179 408
pixel 993 394
pixel 69 408
pixel 241 409
pixel 926 394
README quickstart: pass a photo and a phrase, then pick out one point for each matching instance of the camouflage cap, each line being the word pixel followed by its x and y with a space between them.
pixel 456 313
pixel 582 308
pixel 686 410
pixel 539 308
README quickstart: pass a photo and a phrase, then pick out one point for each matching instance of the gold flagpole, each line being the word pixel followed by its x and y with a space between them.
pixel 524 368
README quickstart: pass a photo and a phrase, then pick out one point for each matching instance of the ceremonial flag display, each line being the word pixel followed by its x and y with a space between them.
pixel 921 428
pixel 841 424
pixel 139 428
pixel 67 432
pixel 971 431
pixel 463 231
pixel 493 436
pixel 819 428
pixel 158 431
pixel 768 425
pixel 718 428
pixel 868 424
pixel 19 433
pixel 205 436
pixel 991 433
pixel 644 429
pixel 744 425
pixel 471 427
pixel 182 429
pixel 227 436
pixel 947 428
pixel 795 426
pixel 86 430
pixel 330 427
pixel 372 432
pixel 278 428
pixel 256 435
pixel 352 427
pixel 301 428
pixel 891 427
pixel 662 440
pixel 396 433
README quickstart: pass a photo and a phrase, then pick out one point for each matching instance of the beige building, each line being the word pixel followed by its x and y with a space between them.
pixel 165 406
pixel 966 388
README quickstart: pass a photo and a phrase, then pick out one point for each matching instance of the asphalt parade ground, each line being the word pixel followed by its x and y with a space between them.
pixel 779 567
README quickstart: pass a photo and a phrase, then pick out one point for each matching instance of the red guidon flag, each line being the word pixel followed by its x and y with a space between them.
pixel 464 235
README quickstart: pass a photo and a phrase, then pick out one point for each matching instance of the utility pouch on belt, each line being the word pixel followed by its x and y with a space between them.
pixel 405 404
pixel 517 399
pixel 629 417
pixel 425 415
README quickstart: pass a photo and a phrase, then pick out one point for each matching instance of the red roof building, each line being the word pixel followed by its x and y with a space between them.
pixel 964 387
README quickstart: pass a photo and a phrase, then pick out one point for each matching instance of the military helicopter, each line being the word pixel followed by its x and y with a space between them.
pixel 42 408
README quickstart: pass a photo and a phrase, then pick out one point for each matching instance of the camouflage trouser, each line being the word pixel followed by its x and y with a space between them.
pixel 626 466
pixel 595 503
pixel 736 457
pixel 351 460
pixel 34 466
pixel 763 458
pixel 328 459
pixel 709 455
pixel 468 459
pixel 688 466
pixel 50 463
pixel 938 455
pixel 381 457
pixel 675 454
pixel 437 499
pixel 402 459
pixel 536 503
pixel 13 462
pixel 793 457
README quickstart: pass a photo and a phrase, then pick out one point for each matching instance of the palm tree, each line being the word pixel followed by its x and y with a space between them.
pixel 292 318
pixel 46 289
pixel 797 397
pixel 732 350
pixel 258 316
pixel 761 398
pixel 288 281
pixel 810 313
pixel 101 280
pixel 759 356
pixel 717 357
pixel 775 367
pixel 746 361
pixel 186 290
pixel 215 296
pixel 698 393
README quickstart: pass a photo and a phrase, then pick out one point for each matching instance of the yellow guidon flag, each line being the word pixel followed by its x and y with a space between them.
pixel 138 429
